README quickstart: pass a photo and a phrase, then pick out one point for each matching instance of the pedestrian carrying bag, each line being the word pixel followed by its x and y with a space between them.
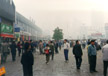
pixel 2 71
pixel 46 51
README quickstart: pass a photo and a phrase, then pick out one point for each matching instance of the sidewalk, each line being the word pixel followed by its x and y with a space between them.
pixel 55 68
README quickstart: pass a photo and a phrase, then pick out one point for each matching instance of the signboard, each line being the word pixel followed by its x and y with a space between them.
pixel 96 34
pixel 17 29
pixel 17 35
pixel 6 29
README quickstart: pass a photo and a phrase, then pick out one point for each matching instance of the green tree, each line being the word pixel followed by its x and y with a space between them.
pixel 58 34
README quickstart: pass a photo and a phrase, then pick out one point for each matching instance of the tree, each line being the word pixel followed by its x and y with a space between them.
pixel 58 34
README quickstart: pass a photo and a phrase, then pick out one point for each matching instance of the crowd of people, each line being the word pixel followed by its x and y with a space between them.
pixel 49 48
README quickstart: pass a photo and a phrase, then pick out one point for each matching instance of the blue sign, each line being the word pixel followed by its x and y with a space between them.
pixel 17 29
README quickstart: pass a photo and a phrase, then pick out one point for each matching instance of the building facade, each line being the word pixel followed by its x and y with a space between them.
pixel 15 26
pixel 26 29
pixel 7 19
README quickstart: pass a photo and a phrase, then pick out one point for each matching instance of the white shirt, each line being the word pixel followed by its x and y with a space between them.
pixel 66 46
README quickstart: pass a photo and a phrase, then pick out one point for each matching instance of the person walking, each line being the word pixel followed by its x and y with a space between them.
pixel 88 44
pixel 84 44
pixel 19 48
pixel 56 47
pixel 27 61
pixel 52 49
pixel 13 47
pixel 41 47
pixel 77 52
pixel 92 56
pixel 66 50
pixel 32 45
pixel 44 44
pixel 105 58
pixel 4 52
pixel 59 44
pixel 25 45
pixel 22 44
pixel 47 52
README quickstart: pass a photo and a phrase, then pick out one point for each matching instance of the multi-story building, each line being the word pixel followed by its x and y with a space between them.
pixel 14 25
pixel 26 29
pixel 7 19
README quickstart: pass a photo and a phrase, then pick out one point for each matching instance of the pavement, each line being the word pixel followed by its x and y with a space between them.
pixel 57 67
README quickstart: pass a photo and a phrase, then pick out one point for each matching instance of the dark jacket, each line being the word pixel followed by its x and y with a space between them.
pixel 56 45
pixel 52 48
pixel 13 48
pixel 77 51
pixel 27 59
pixel 19 46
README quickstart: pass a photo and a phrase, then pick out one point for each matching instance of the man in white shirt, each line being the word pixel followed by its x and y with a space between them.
pixel 105 58
pixel 66 50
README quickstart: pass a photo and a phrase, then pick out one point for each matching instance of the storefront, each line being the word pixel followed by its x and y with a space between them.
pixel 24 36
pixel 6 32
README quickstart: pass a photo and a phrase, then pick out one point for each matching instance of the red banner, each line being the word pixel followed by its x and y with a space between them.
pixel 6 35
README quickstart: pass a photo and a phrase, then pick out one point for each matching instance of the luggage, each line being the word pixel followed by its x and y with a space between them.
pixel 2 71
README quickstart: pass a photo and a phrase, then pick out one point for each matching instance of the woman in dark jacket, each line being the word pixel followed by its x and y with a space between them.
pixel 27 61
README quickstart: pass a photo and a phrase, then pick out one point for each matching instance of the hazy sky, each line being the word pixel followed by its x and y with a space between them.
pixel 67 14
